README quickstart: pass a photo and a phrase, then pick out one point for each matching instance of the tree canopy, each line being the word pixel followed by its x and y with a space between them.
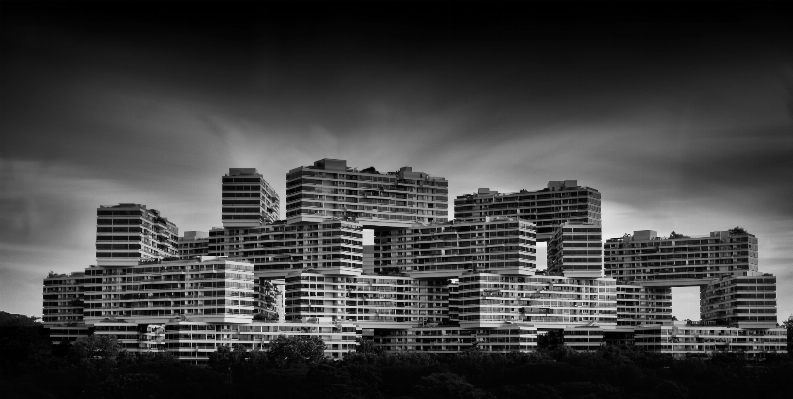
pixel 17 320
pixel 289 351
pixel 561 373
pixel 294 367
pixel 100 351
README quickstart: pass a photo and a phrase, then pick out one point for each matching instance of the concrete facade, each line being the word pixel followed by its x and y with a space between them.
pixel 575 250
pixel 678 261
pixel 548 208
pixel 329 188
pixel 128 233
pixel 499 245
pixel 248 200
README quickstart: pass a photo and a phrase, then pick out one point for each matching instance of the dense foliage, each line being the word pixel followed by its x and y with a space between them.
pixel 93 367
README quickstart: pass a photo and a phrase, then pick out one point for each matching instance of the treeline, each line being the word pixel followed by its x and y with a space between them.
pixel 94 367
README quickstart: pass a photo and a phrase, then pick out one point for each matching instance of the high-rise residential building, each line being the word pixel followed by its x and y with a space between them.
pixel 679 260
pixel 330 246
pixel 192 244
pixel 248 200
pixel 497 245
pixel 561 201
pixel 330 188
pixel 575 250
pixel 207 288
pixel 128 233
pixel 746 300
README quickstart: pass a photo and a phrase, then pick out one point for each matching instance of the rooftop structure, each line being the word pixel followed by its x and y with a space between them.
pixel 329 188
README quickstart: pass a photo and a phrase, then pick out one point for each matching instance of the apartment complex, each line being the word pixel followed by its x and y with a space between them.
pixel 427 284
pixel 248 200
pixel 329 188
pixel 559 202
pixel 127 233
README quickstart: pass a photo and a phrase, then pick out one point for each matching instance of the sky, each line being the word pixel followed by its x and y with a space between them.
pixel 680 115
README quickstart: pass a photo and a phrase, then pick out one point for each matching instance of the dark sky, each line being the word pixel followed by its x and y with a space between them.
pixel 680 114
